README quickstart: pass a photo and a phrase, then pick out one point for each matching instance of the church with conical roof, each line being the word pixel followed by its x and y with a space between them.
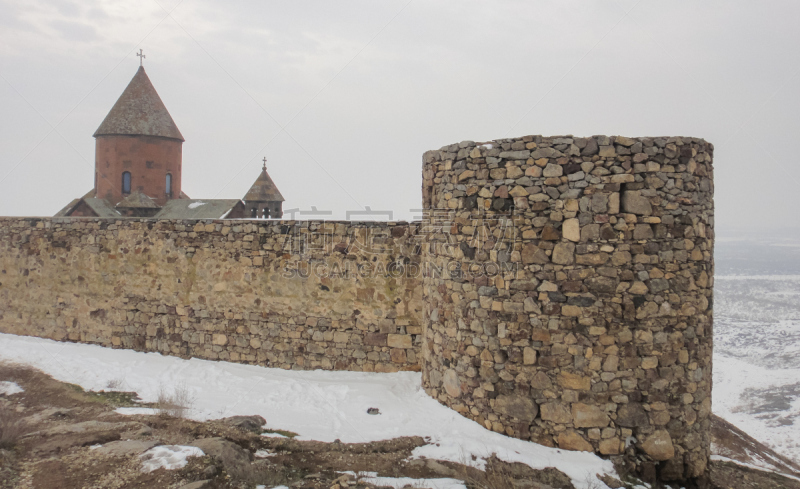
pixel 139 164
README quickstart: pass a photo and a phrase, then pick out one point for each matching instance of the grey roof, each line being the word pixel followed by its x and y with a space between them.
pixel 263 190
pixel 196 208
pixel 139 111
pixel 137 200
pixel 102 207
pixel 68 208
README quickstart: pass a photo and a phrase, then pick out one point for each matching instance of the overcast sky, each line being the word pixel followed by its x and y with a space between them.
pixel 344 97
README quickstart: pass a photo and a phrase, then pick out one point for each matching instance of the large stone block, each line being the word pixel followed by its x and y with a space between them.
pixel 570 440
pixel 634 203
pixel 572 381
pixel 659 445
pixel 557 412
pixel 564 253
pixel 632 415
pixel 399 341
pixel 517 406
pixel 588 416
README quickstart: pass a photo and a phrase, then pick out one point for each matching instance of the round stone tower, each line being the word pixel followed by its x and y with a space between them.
pixel 138 147
pixel 568 293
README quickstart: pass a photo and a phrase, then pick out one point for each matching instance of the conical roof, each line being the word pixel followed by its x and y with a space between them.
pixel 263 190
pixel 139 111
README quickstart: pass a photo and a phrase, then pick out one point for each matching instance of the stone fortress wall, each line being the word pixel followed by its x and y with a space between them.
pixel 288 294
pixel 558 290
pixel 596 331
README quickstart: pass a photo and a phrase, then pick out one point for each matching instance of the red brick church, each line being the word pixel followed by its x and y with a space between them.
pixel 139 164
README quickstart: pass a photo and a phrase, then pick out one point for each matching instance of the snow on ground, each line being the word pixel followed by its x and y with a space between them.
pixel 763 402
pixel 757 357
pixel 720 458
pixel 169 457
pixel 129 411
pixel 274 435
pixel 400 482
pixel 9 388
pixel 318 405
pixel 757 338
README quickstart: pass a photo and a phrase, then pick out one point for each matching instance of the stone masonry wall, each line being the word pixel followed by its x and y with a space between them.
pixel 569 290
pixel 288 294
pixel 558 289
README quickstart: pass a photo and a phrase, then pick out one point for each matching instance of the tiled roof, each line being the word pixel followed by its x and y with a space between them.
pixel 263 190
pixel 139 111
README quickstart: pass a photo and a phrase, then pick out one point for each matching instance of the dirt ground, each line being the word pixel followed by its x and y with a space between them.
pixel 56 435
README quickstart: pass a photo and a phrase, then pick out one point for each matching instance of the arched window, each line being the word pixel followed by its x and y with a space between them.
pixel 169 183
pixel 126 182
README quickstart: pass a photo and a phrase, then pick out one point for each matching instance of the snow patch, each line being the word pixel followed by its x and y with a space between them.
pixel 273 435
pixel 195 205
pixel 9 388
pixel 130 411
pixel 264 453
pixel 170 457
pixel 400 482
pixel 468 449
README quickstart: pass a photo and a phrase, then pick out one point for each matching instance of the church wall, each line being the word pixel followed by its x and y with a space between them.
pixel 287 294
pixel 117 154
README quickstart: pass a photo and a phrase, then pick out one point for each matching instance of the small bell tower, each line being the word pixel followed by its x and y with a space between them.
pixel 263 200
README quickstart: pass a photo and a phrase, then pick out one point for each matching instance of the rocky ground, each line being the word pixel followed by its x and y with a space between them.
pixel 55 435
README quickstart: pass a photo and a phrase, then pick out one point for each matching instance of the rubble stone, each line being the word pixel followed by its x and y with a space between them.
pixel 615 237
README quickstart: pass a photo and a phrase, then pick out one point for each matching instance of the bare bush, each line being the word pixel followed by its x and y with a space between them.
pixel 491 479
pixel 12 427
pixel 262 473
pixel 176 404
pixel 114 384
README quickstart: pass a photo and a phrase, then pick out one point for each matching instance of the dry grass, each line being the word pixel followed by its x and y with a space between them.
pixel 504 475
pixel 262 473
pixel 176 404
pixel 491 479
pixel 12 427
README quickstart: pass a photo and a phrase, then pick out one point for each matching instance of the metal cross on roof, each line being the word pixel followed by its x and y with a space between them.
pixel 141 57
pixel 265 163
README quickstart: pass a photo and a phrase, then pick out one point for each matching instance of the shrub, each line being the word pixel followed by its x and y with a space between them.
pixel 177 404
pixel 12 427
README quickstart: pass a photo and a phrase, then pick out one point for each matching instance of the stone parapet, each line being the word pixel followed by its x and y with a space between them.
pixel 568 293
